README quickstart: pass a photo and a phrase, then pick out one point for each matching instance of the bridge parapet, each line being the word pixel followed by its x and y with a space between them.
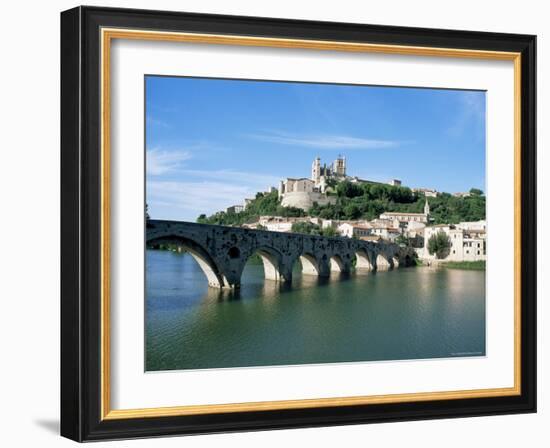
pixel 222 252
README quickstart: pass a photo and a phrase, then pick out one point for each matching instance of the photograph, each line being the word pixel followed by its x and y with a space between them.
pixel 293 223
pixel 284 221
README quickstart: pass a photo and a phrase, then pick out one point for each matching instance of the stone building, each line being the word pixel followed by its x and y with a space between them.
pixel 282 223
pixel 235 209
pixel 387 229
pixel 303 192
pixel 354 229
pixel 428 192
pixel 468 241
pixel 321 174
pixel 406 218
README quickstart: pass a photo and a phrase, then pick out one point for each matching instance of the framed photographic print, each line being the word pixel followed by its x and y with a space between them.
pixel 274 223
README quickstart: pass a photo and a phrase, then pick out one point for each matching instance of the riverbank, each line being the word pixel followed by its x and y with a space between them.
pixel 468 265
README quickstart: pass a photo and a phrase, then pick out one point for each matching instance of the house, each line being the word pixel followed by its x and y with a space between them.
pixel 350 230
pixel 428 192
pixel 372 238
pixel 406 218
pixel 235 209
pixel 468 241
pixel 386 233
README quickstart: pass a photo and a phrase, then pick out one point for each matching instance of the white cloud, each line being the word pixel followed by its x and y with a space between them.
pixel 325 141
pixel 187 200
pixel 211 192
pixel 259 180
pixel 162 162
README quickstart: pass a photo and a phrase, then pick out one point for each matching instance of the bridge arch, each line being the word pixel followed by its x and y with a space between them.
pixel 383 262
pixel 337 264
pixel 207 264
pixel 310 265
pixel 406 260
pixel 272 263
pixel 363 260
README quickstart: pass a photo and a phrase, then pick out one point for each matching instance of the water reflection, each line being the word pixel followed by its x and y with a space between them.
pixel 406 313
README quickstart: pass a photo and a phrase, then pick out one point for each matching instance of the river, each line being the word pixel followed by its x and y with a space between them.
pixel 407 313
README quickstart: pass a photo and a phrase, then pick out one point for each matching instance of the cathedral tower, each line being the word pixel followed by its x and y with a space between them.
pixel 316 170
pixel 339 167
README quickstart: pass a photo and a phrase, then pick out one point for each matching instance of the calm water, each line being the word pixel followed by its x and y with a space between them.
pixel 408 313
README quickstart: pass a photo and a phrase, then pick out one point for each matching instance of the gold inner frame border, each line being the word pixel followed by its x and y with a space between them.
pixel 107 35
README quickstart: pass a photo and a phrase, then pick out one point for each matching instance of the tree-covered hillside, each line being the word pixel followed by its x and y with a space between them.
pixel 363 201
pixel 368 201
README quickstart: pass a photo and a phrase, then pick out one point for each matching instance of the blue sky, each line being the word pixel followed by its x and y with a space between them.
pixel 211 142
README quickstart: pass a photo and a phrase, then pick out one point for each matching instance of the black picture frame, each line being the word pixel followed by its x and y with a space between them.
pixel 81 224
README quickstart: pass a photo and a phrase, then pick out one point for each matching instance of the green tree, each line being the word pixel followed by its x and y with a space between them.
pixel 306 227
pixel 476 192
pixel 331 183
pixel 348 190
pixel 290 212
pixel 329 231
pixel 402 240
pixel 439 244
pixel 352 211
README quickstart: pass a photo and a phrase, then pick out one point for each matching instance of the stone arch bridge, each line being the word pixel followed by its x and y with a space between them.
pixel 222 252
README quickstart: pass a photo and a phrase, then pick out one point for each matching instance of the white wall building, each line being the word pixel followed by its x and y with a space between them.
pixel 428 192
pixel 467 243
pixel 415 229
pixel 282 223
pixel 386 233
pixel 406 218
pixel 474 225
pixel 350 230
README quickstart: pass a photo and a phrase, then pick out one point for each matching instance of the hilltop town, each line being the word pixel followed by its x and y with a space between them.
pixel 440 226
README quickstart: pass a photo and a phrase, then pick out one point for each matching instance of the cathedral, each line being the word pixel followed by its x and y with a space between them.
pixel 303 192
pixel 321 174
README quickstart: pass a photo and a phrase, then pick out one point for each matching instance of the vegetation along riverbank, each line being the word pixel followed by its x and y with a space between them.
pixel 468 265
